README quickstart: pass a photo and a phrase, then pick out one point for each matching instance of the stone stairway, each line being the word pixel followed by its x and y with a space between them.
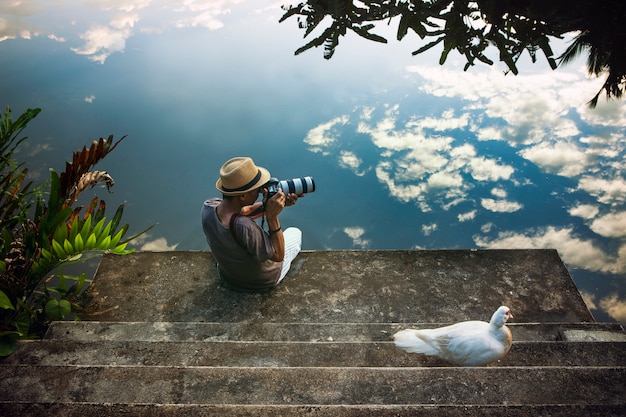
pixel 162 337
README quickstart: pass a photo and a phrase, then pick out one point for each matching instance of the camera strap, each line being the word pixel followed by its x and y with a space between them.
pixel 232 224
pixel 233 227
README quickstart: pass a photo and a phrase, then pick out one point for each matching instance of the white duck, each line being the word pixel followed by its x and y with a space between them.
pixel 468 343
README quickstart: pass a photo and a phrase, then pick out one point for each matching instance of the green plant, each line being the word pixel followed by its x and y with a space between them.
pixel 38 237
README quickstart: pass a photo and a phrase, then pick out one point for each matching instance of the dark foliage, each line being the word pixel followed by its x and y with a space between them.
pixel 471 27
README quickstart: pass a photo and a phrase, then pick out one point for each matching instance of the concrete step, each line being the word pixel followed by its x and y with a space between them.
pixel 396 286
pixel 243 410
pixel 313 386
pixel 305 332
pixel 296 354
pixel 198 349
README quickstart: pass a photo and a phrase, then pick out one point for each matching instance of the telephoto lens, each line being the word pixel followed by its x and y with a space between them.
pixel 297 185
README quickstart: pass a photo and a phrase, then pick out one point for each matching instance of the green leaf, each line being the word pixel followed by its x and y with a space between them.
pixel 67 245
pixel 75 257
pixel 118 235
pixel 86 229
pixel 447 47
pixel 484 59
pixel 51 224
pixel 105 233
pixel 98 227
pixel 8 343
pixel 80 284
pixel 55 199
pixel 135 236
pixel 403 27
pixel 315 42
pixel 62 283
pixel 60 233
pixel 427 46
pixel 22 323
pixel 117 218
pixel 74 229
pixel 5 302
pixel 364 31
pixel 45 253
pixel 418 27
pixel 58 250
pixel 58 310
pixel 42 266
pixel 91 242
pixel 105 244
pixel 78 243
pixel 120 249
pixel 22 121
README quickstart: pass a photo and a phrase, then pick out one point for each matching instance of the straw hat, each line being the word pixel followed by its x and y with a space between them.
pixel 240 175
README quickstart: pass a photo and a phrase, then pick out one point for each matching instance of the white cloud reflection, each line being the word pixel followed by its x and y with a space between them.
pixel 350 160
pixel 612 304
pixel 607 191
pixel 544 119
pixel 610 225
pixel 124 19
pixel 356 234
pixel 428 229
pixel 586 211
pixel 574 251
pixel 158 244
pixel 324 135
pixel 203 13
pixel 615 307
pixel 464 217
pixel 102 41
pixel 500 206
pixel 562 158
pixel 419 158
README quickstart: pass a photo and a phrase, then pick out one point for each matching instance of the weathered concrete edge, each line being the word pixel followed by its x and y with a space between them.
pixel 342 286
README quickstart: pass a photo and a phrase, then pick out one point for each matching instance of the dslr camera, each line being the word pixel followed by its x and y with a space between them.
pixel 297 186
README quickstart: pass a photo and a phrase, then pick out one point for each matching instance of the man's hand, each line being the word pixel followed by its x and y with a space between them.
pixel 291 198
pixel 274 205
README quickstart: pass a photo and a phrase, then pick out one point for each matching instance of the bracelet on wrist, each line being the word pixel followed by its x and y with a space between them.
pixel 271 232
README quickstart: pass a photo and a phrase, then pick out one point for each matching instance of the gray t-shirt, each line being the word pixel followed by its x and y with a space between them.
pixel 246 267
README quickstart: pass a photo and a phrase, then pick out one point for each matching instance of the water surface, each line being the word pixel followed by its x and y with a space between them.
pixel 405 153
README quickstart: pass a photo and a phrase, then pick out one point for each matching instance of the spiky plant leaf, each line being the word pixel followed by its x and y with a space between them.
pixel 60 234
pixel 97 229
pixel 67 246
pixel 58 250
pixel 115 239
pixel 90 243
pixel 121 249
pixel 117 218
pixel 105 243
pixel 86 228
pixel 74 228
pixel 106 232
pixel 78 243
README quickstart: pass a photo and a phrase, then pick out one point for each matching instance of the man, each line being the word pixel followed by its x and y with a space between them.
pixel 249 258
